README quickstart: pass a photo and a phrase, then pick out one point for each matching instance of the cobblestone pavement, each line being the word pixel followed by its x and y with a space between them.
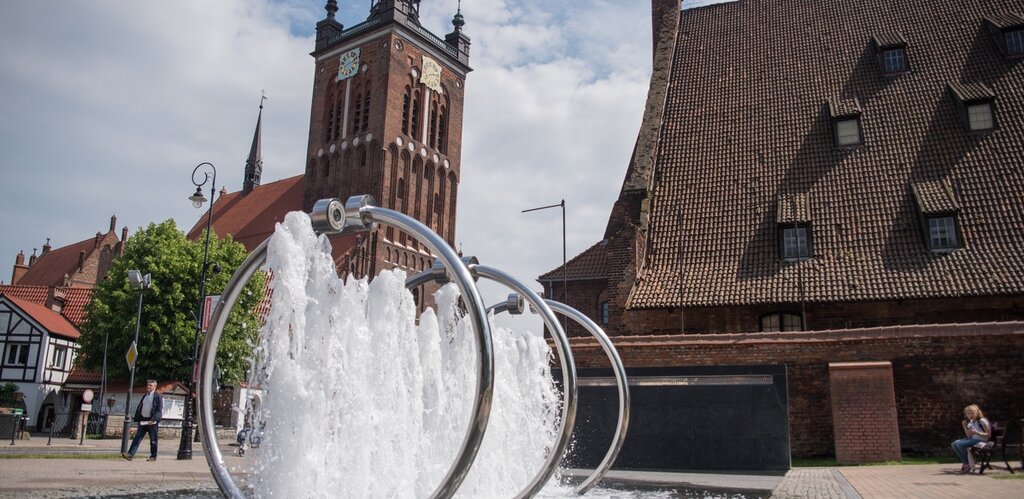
pixel 816 483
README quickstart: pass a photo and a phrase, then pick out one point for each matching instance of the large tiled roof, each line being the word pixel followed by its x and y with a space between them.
pixel 75 299
pixel 50 320
pixel 51 267
pixel 251 218
pixel 587 265
pixel 748 125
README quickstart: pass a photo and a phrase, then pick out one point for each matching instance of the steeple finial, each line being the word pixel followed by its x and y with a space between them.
pixel 458 21
pixel 331 8
pixel 254 163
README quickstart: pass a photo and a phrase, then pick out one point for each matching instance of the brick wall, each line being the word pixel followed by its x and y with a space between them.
pixel 863 412
pixel 936 372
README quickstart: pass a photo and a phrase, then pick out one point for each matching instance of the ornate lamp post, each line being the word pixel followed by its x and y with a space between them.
pixel 140 283
pixel 188 423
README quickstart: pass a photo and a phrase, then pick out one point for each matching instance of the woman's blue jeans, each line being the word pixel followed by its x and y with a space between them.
pixel 961 447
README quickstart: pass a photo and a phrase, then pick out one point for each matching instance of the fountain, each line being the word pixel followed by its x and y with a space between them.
pixel 377 391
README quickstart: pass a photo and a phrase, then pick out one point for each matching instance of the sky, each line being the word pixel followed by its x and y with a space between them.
pixel 106 107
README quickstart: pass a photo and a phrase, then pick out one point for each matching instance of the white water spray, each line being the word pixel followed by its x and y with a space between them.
pixel 361 401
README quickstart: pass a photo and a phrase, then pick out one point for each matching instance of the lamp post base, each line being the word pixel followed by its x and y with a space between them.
pixel 185 446
pixel 124 435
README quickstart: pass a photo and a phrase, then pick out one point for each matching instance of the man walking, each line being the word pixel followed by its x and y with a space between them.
pixel 148 414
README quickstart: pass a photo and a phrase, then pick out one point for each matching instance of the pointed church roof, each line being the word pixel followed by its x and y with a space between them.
pixel 254 163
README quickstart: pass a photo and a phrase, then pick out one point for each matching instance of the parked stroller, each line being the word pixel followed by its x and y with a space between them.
pixel 248 437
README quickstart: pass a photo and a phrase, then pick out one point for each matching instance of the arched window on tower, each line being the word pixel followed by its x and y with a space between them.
pixel 433 125
pixel 406 102
pixel 338 101
pixel 329 121
pixel 428 176
pixel 442 131
pixel 357 115
pixel 366 111
pixel 415 114
pixel 453 189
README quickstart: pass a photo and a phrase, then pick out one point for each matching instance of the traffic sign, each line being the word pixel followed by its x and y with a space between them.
pixel 87 395
pixel 133 353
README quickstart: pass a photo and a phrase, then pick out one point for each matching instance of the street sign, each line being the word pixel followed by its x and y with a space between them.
pixel 208 305
pixel 87 395
pixel 133 353
pixel 86 407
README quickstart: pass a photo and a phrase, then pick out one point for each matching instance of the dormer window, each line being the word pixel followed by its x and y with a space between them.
pixel 939 213
pixel 976 103
pixel 1007 30
pixel 794 222
pixel 891 49
pixel 846 122
pixel 1015 43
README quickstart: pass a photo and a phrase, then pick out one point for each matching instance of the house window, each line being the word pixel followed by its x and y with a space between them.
pixel 1015 42
pixel 781 322
pixel 796 242
pixel 59 357
pixel 848 132
pixel 604 312
pixel 979 116
pixel 17 354
pixel 895 60
pixel 942 233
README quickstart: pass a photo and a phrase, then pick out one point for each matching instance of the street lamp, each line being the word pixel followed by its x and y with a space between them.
pixel 141 283
pixel 565 286
pixel 185 447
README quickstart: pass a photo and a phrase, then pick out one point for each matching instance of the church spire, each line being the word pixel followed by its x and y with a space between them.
pixel 254 164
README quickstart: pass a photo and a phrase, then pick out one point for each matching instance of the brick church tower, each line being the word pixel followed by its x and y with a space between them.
pixel 386 120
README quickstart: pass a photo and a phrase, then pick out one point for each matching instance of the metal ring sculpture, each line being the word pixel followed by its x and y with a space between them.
pixel 358 214
pixel 514 305
pixel 564 355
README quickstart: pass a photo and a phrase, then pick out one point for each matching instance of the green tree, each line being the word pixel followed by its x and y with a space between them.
pixel 169 307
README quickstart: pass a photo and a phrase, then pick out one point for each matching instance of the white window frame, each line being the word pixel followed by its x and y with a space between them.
pixel 893 57
pixel 942 233
pixel 14 353
pixel 59 357
pixel 980 116
pixel 796 242
pixel 844 137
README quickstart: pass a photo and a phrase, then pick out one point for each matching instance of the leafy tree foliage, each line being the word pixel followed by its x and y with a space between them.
pixel 169 307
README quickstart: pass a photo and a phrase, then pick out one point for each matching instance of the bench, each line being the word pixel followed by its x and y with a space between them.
pixel 983 451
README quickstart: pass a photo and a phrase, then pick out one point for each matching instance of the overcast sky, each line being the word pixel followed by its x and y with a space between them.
pixel 107 106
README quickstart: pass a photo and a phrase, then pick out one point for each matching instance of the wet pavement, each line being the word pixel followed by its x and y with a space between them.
pixel 74 477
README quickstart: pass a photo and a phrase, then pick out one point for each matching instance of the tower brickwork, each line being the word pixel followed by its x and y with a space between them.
pixel 386 120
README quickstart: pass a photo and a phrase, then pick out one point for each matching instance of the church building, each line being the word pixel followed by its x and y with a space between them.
pixel 385 120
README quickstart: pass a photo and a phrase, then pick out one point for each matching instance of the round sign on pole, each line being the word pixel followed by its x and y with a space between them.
pixel 87 395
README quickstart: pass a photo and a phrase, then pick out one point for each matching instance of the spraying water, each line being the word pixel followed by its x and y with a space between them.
pixel 361 399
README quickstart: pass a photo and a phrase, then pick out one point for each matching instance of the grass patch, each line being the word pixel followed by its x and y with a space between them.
pixel 1016 476
pixel 60 455
pixel 829 462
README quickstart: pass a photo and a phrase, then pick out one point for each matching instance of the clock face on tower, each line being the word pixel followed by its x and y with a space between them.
pixel 348 64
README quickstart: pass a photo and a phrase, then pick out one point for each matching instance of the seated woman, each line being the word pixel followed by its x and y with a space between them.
pixel 977 429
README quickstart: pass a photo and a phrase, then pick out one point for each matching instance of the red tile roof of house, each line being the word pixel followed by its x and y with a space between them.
pixel 75 299
pixel 747 124
pixel 587 265
pixel 50 320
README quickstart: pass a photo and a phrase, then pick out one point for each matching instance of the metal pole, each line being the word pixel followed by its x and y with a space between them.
pixel 103 378
pixel 187 424
pixel 131 378
pixel 565 280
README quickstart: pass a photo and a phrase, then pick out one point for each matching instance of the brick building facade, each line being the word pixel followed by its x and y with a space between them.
pixel 816 191
pixel 385 120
